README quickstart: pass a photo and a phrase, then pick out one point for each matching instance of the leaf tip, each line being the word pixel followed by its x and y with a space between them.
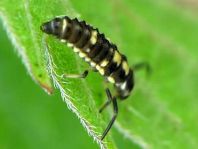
pixel 47 88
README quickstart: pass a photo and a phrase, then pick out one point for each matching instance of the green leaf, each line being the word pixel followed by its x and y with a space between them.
pixel 22 28
pixel 161 112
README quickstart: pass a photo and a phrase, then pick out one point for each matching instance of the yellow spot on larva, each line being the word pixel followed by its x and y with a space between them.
pixel 76 50
pixel 111 79
pixel 87 50
pixel 125 67
pixel 101 71
pixel 87 59
pixel 81 54
pixel 70 45
pixel 63 40
pixel 104 63
pixel 117 57
pixel 93 37
pixel 64 25
pixel 98 67
pixel 93 64
pixel 123 85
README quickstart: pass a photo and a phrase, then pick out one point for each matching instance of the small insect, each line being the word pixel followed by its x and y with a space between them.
pixel 102 55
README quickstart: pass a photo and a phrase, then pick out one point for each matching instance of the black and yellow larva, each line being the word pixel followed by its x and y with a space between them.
pixel 99 52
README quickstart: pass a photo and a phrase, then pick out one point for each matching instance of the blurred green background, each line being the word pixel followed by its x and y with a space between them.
pixel 29 118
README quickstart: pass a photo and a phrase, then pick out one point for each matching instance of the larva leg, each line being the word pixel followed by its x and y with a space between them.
pixel 83 75
pixel 115 110
pixel 142 65
pixel 109 99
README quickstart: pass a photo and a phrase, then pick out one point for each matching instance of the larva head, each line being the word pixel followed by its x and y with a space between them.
pixel 52 27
